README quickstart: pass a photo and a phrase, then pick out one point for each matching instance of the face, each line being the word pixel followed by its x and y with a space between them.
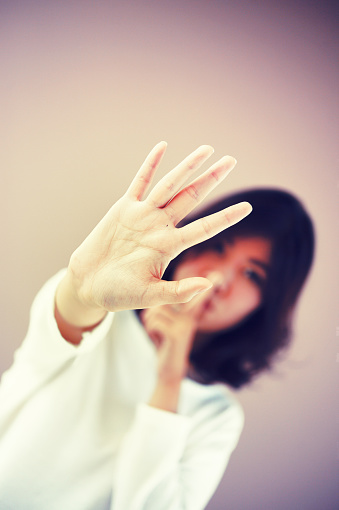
pixel 240 270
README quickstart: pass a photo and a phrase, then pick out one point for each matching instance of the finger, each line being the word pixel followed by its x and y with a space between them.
pixel 189 197
pixel 209 226
pixel 194 307
pixel 169 185
pixel 181 291
pixel 157 312
pixel 156 336
pixel 144 176
pixel 215 277
pixel 196 302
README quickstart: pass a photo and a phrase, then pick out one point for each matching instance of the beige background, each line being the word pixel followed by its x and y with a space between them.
pixel 87 89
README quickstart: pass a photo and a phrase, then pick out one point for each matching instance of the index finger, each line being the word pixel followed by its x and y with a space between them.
pixel 209 226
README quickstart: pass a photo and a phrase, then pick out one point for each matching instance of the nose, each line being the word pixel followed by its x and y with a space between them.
pixel 221 280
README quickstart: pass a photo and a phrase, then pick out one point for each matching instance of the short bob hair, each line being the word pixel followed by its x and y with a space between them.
pixel 235 356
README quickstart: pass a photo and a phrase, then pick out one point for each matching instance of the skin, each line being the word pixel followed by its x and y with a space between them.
pixel 237 272
pixel 120 264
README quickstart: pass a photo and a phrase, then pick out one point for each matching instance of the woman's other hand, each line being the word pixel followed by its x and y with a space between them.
pixel 172 329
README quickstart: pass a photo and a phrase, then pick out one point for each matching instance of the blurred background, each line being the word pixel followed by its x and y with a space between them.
pixel 88 88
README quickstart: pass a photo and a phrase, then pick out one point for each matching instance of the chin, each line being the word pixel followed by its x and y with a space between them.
pixel 205 327
pixel 211 326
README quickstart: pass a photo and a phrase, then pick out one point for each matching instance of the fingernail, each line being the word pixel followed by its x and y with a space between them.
pixel 247 208
pixel 231 161
pixel 207 147
pixel 201 290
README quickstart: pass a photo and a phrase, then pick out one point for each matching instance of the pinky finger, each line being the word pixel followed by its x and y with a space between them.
pixel 209 226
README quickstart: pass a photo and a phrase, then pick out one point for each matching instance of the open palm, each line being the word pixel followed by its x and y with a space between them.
pixel 120 264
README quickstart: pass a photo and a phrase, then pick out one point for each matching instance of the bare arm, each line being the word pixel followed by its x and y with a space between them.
pixel 72 317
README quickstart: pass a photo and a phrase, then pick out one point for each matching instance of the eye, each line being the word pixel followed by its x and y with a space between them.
pixel 254 276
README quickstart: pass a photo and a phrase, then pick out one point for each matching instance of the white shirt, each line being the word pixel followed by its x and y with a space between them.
pixel 76 432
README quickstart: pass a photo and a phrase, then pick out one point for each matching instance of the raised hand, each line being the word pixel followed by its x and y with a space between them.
pixel 172 329
pixel 120 264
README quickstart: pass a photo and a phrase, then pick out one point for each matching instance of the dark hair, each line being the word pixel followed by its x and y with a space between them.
pixel 235 356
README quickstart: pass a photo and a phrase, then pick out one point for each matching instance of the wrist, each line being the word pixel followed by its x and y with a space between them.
pixel 166 395
pixel 72 309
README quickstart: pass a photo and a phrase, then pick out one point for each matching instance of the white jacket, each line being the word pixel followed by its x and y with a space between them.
pixel 76 432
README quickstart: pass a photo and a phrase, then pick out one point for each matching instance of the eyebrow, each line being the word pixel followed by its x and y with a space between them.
pixel 261 264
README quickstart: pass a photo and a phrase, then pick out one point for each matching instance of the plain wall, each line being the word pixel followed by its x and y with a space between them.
pixel 88 88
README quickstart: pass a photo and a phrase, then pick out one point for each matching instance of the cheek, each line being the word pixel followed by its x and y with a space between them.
pixel 237 305
pixel 187 270
pixel 247 297
pixel 230 310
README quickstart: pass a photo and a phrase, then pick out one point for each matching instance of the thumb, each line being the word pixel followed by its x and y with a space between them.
pixel 180 291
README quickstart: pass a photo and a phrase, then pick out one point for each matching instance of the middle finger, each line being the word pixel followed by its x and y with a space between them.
pixel 169 185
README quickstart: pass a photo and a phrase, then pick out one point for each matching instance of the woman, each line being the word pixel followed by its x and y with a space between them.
pixel 101 410
pixel 263 262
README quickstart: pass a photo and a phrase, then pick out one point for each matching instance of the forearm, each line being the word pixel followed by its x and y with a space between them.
pixel 73 317
pixel 166 396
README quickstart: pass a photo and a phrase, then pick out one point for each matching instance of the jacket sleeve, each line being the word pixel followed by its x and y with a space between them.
pixel 173 462
pixel 43 354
